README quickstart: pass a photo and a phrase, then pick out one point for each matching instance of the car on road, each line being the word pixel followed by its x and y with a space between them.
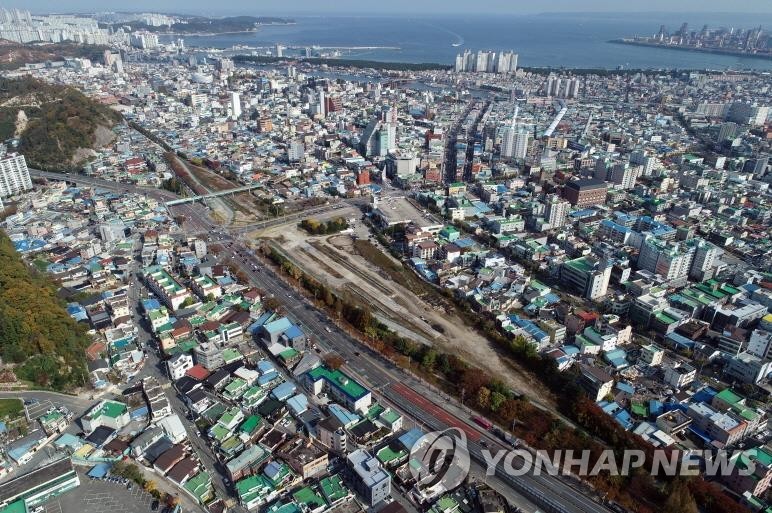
pixel 327 329
pixel 154 505
pixel 357 353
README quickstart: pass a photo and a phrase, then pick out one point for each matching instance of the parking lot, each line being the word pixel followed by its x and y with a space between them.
pixel 96 496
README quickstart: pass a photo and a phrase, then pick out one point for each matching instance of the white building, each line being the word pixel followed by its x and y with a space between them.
pixel 296 151
pixel 179 365
pixel 14 175
pixel 556 211
pixel 680 375
pixel 235 106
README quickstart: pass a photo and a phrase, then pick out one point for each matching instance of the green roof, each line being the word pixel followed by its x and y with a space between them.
pixel 288 354
pixel 15 507
pixel 339 380
pixel 199 486
pixel 112 409
pixel 332 488
pixel 252 423
pixel 230 355
pixel 388 454
pixel 309 497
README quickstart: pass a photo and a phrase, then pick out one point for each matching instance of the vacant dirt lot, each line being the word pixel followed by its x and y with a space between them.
pixel 399 299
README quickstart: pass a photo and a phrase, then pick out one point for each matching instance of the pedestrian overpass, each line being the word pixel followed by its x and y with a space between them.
pixel 217 194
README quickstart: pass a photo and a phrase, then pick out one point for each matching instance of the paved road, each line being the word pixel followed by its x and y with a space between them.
pixel 550 493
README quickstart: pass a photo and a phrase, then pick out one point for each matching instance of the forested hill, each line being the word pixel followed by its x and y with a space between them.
pixel 37 336
pixel 58 126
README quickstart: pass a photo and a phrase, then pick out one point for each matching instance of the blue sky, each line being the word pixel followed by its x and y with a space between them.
pixel 364 7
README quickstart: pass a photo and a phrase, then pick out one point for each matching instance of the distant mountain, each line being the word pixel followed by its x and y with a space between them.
pixel 15 55
pixel 203 25
pixel 41 342
pixel 57 126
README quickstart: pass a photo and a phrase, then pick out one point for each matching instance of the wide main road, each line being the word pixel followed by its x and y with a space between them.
pixel 408 394
pixel 411 396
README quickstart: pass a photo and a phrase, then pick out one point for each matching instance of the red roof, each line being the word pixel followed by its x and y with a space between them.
pixel 198 372
pixel 587 316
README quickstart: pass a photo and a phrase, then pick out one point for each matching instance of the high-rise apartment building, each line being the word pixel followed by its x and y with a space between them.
pixel 235 105
pixel 556 211
pixel 14 175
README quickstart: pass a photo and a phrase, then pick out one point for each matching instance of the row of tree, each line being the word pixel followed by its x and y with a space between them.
pixel 316 227
pixel 640 492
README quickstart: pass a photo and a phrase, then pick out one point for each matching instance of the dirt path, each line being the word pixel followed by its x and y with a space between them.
pixel 334 261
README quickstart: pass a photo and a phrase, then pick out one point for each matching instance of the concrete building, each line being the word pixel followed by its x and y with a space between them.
pixel 588 276
pixel 652 355
pixel 679 375
pixel 28 491
pixel 706 258
pixel 167 288
pixel 370 480
pixel 556 211
pixel 353 395
pixel 178 365
pixel 111 414
pixel 585 193
pixel 596 382
pixel 747 368
pixel 235 105
pixel 14 175
pixel 672 261
pixel 209 355
pixel 720 427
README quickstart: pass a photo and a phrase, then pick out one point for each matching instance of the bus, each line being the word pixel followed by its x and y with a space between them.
pixel 482 422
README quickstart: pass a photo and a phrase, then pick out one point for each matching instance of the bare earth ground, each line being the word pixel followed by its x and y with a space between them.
pixel 334 261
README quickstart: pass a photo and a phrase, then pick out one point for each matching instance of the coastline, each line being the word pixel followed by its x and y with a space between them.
pixel 715 51
pixel 263 60
pixel 227 32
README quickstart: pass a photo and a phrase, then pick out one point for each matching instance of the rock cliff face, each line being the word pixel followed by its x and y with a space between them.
pixel 57 126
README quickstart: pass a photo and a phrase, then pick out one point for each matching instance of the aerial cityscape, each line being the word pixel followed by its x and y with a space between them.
pixel 385 262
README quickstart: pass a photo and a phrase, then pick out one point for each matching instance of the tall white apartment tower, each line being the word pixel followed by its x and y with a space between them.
pixel 235 105
pixel 14 175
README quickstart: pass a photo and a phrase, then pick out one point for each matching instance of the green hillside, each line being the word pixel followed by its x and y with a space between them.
pixel 36 335
pixel 60 121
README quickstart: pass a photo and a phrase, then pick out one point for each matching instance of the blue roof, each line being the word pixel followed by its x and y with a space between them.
pixel 343 415
pixel 284 391
pixel 278 326
pixel 294 332
pixel 704 395
pixel 255 326
pixel 99 470
pixel 138 413
pixel 570 350
pixel 680 340
pixel 298 403
pixel 267 378
pixel 623 417
pixel 655 407
pixel 150 304
pixel 265 366
pixel 625 387
pixel 585 212
pixel 409 438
